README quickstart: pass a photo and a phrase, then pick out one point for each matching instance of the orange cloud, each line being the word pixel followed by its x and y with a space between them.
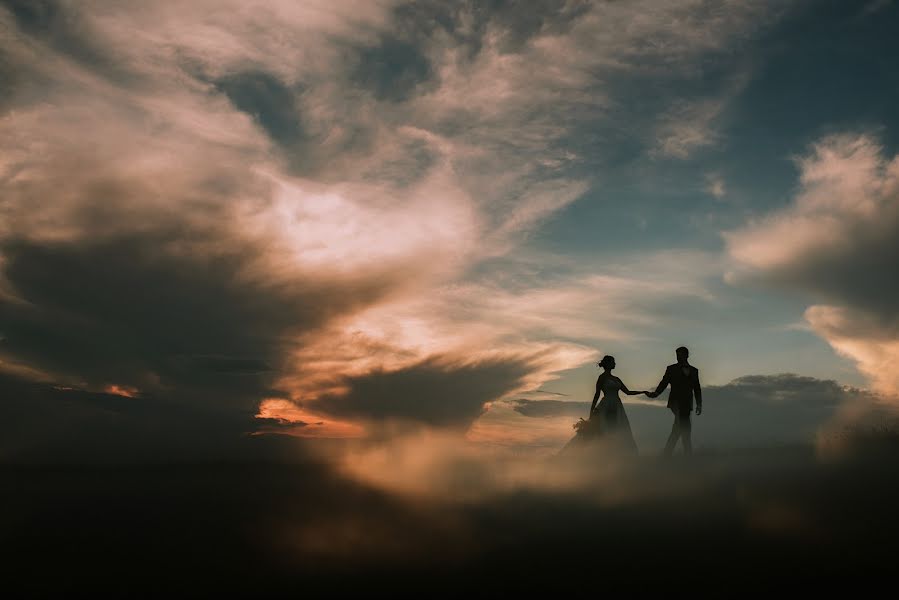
pixel 837 243
pixel 874 350
pixel 122 390
pixel 293 420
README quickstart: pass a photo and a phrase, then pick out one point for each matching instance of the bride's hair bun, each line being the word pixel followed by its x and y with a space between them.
pixel 608 358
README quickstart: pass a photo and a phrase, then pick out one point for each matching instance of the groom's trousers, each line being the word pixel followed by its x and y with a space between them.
pixel 683 430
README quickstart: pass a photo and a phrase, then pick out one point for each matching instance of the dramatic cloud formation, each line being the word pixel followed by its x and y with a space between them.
pixel 319 207
pixel 225 203
pixel 837 243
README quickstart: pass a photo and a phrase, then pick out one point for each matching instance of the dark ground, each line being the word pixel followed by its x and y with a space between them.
pixel 715 524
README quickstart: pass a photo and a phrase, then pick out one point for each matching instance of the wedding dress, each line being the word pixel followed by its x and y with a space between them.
pixel 608 423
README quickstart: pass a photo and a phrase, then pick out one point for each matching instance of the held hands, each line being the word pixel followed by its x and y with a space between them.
pixel 651 394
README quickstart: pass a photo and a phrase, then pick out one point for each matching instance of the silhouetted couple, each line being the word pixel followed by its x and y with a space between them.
pixel 608 422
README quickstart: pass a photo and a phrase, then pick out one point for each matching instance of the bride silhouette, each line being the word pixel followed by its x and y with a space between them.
pixel 607 421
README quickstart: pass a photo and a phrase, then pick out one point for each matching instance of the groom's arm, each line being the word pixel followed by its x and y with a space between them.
pixel 666 379
pixel 697 392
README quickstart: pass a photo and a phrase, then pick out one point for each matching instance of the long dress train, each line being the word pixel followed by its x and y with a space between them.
pixel 608 424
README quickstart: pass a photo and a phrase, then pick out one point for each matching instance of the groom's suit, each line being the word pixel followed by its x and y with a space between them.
pixel 684 381
pixel 684 387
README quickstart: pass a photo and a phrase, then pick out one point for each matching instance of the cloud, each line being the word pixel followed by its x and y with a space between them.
pixel 45 423
pixel 863 339
pixel 837 244
pixel 435 392
pixel 688 128
pixel 206 201
pixel 548 408
pixel 760 409
pixel 716 186
pixel 136 309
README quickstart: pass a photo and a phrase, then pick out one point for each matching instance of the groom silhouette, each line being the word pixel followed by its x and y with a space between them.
pixel 684 380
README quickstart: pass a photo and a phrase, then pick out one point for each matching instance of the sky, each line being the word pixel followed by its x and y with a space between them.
pixel 337 219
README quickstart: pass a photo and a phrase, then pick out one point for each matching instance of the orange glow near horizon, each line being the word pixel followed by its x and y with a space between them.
pixel 125 391
pixel 306 424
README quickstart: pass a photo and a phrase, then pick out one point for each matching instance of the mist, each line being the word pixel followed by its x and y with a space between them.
pixel 428 512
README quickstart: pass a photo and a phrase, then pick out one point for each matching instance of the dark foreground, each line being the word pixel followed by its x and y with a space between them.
pixel 716 524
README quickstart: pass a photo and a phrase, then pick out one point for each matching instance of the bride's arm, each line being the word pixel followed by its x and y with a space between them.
pixel 596 395
pixel 629 392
